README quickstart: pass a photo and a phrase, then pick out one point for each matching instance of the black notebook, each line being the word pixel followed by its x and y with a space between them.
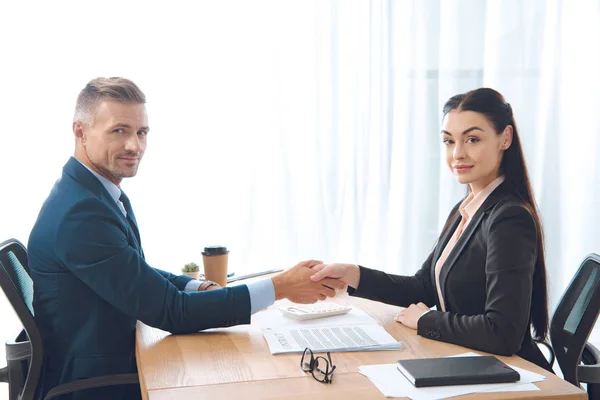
pixel 456 371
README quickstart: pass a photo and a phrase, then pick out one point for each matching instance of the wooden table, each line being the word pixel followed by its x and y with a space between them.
pixel 236 363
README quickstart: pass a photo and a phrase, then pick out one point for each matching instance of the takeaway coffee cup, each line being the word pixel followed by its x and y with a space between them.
pixel 215 264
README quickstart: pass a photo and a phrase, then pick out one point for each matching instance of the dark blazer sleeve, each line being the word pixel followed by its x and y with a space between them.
pixel 509 267
pixel 92 243
pixel 178 280
pixel 396 289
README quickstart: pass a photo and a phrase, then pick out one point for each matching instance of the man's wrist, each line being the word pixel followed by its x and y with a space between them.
pixel 206 284
pixel 278 284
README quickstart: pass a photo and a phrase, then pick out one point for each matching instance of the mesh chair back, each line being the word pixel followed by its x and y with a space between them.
pixel 575 317
pixel 18 288
pixel 18 274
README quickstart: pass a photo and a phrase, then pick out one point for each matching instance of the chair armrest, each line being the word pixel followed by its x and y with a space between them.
pixel 16 351
pixel 90 383
pixel 552 356
pixel 590 372
pixel 590 354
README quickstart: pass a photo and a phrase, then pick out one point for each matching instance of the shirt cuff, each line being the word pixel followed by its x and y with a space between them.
pixel 262 294
pixel 192 286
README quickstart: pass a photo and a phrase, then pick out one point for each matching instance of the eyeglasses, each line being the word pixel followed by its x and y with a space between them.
pixel 320 367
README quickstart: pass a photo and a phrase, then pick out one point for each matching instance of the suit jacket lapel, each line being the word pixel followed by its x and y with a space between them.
pixel 78 172
pixel 462 241
pixel 458 249
pixel 439 248
pixel 75 170
pixel 445 238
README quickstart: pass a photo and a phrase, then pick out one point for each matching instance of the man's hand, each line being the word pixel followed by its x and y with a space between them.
pixel 410 316
pixel 296 285
pixel 347 273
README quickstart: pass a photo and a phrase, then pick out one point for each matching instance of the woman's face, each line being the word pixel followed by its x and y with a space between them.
pixel 473 148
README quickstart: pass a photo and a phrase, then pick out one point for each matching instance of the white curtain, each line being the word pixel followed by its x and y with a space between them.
pixel 289 130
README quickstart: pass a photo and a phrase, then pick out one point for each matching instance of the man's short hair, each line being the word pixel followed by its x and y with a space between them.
pixel 100 89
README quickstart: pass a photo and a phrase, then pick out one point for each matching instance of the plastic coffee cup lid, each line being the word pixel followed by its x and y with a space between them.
pixel 214 250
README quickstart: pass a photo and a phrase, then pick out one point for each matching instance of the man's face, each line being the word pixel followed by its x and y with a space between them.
pixel 115 142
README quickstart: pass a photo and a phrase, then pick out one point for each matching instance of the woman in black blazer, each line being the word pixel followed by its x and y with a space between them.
pixel 490 283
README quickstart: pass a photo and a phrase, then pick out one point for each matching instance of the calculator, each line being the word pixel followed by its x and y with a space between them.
pixel 311 311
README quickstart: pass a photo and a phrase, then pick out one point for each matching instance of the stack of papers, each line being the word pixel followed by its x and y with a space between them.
pixel 354 331
pixel 392 383
pixel 330 338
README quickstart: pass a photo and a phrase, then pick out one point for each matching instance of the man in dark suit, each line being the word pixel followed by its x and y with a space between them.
pixel 91 280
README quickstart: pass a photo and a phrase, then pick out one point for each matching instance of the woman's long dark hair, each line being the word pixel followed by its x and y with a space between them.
pixel 516 181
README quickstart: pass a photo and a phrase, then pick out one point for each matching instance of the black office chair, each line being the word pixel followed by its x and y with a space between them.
pixel 25 355
pixel 571 325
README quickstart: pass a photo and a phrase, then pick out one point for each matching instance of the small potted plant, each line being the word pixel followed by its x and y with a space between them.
pixel 192 270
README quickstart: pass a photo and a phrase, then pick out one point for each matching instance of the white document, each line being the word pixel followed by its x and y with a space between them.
pixel 364 337
pixel 518 387
pixel 273 318
pixel 392 383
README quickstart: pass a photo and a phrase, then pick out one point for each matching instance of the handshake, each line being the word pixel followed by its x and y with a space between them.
pixel 310 281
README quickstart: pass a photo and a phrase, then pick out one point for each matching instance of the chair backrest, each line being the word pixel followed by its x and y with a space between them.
pixel 575 317
pixel 17 285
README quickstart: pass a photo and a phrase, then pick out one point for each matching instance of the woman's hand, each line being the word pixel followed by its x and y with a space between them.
pixel 296 285
pixel 410 316
pixel 347 273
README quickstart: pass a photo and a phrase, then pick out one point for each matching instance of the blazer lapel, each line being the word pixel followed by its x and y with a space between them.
pixel 78 172
pixel 458 249
pixel 439 248
pixel 75 170
pixel 462 241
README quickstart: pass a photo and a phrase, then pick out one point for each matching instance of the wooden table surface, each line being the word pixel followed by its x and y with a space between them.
pixel 236 363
